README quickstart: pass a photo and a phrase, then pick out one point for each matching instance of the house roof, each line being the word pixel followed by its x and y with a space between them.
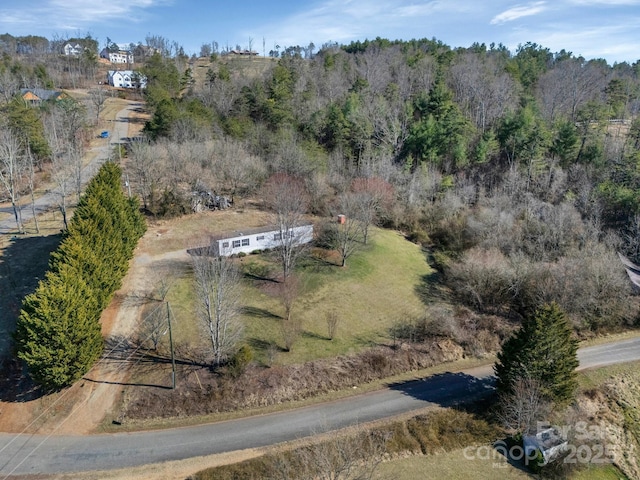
pixel 251 231
pixel 35 94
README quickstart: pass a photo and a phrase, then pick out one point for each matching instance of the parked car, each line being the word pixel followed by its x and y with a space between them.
pixel 104 134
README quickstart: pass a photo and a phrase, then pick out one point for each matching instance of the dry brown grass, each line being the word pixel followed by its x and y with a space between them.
pixel 246 67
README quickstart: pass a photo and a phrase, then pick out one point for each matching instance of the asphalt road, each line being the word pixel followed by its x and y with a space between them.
pixel 118 134
pixel 38 454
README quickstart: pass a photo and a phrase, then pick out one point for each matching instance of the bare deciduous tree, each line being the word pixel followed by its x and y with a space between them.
pixel 218 296
pixel 371 196
pixel 482 88
pixel 521 410
pixel 240 171
pixel 287 198
pixel 70 118
pixel 9 84
pixel 98 97
pixel 291 326
pixel 155 325
pixel 347 235
pixel 31 181
pixel 12 169
pixel 62 167
pixel 142 166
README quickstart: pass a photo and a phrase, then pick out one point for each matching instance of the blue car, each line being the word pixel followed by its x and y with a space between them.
pixel 104 134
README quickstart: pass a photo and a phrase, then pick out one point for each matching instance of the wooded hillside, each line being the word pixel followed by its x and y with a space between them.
pixel 517 169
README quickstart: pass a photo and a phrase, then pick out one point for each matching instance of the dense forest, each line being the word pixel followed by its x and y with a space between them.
pixel 518 169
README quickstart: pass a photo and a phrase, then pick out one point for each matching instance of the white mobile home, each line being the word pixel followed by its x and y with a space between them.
pixel 259 239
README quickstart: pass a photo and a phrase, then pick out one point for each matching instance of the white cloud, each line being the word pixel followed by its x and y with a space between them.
pixel 343 21
pixel 605 3
pixel 74 14
pixel 81 10
pixel 606 42
pixel 519 12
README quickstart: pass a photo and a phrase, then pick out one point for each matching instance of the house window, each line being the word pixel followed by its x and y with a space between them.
pixel 235 244
pixel 260 238
pixel 277 236
pixel 245 242
pixel 225 244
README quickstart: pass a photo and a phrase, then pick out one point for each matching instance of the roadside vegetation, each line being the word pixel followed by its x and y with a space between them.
pixel 454 443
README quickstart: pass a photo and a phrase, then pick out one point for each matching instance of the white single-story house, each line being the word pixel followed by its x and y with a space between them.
pixel 126 79
pixel 119 56
pixel 255 239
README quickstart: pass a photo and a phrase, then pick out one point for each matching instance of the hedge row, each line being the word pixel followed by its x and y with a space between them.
pixel 58 333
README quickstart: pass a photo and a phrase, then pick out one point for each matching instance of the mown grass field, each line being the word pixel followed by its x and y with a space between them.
pixel 376 288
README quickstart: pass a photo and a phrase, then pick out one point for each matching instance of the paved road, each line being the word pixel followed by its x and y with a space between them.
pixel 119 133
pixel 34 454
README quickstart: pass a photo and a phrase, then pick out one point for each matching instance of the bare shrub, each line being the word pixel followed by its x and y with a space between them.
pixel 593 287
pixel 353 457
pixel 332 319
pixel 521 410
pixel 482 279
pixel 259 387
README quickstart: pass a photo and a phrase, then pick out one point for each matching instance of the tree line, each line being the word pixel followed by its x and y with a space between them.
pixel 58 333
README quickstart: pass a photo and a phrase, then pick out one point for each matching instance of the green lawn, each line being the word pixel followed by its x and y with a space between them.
pixel 597 377
pixel 375 289
pixel 455 465
pixel 450 465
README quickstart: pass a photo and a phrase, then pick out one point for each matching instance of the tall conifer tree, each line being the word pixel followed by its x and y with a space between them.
pixel 542 350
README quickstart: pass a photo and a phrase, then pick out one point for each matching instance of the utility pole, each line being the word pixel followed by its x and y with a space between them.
pixel 173 358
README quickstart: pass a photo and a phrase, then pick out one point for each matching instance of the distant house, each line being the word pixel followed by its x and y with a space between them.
pixel 254 239
pixel 72 49
pixel 126 79
pixel 118 56
pixel 249 53
pixel 35 96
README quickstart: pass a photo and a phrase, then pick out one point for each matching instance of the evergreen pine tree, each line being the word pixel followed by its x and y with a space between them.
pixel 58 332
pixel 542 350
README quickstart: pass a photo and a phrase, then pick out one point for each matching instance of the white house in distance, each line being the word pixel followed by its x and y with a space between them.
pixel 72 49
pixel 254 239
pixel 126 79
pixel 119 56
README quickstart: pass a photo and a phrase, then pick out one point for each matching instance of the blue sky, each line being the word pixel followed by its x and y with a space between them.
pixel 607 29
